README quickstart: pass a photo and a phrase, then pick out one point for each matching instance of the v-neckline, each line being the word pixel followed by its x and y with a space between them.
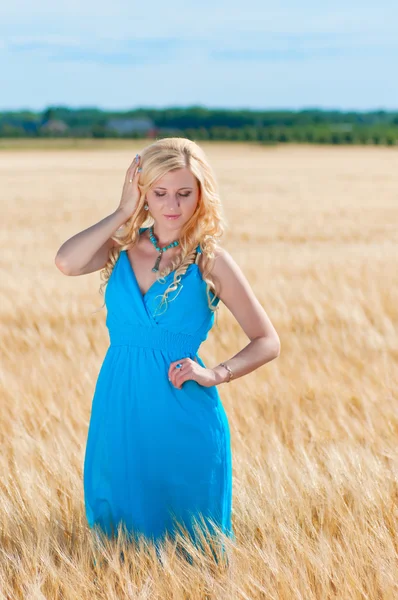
pixel 144 295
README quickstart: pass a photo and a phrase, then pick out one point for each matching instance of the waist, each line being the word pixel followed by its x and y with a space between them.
pixel 156 338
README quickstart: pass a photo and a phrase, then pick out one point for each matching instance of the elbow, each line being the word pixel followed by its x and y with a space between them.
pixel 61 266
pixel 271 346
pixel 275 344
pixel 277 347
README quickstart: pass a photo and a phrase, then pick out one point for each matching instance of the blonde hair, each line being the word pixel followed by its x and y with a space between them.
pixel 205 227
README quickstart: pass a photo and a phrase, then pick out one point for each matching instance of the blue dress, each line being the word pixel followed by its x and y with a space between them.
pixel 156 455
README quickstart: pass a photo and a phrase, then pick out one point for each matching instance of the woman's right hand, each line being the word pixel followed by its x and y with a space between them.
pixel 130 193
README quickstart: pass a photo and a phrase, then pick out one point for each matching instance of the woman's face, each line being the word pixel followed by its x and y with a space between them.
pixel 176 193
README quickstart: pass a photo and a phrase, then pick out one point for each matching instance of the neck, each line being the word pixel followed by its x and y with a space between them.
pixel 165 237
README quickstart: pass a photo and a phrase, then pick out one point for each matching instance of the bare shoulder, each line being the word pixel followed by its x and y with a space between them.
pixel 226 273
pixel 227 270
pixel 238 296
pixel 222 255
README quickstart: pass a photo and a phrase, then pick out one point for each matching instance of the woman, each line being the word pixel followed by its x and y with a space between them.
pixel 158 450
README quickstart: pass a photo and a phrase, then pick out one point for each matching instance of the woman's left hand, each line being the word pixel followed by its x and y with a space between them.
pixel 190 369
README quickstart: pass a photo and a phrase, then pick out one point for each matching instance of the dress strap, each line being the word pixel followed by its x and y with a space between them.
pixel 198 253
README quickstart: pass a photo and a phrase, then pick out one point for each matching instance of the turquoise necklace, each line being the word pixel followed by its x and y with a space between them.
pixel 161 250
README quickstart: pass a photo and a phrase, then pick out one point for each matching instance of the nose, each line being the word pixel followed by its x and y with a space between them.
pixel 173 204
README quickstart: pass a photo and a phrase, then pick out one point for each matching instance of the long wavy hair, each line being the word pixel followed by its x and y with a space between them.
pixel 205 227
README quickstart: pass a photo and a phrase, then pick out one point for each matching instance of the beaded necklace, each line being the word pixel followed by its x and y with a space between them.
pixel 154 241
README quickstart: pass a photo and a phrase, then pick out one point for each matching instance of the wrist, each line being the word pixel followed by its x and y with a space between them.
pixel 221 374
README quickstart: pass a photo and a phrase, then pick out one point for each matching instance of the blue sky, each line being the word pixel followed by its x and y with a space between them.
pixel 254 54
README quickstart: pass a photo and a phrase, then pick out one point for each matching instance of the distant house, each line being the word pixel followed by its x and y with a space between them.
pixel 54 126
pixel 142 125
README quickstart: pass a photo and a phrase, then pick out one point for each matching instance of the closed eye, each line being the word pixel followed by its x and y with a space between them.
pixel 182 195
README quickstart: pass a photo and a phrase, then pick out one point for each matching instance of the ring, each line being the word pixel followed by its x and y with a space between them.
pixel 179 366
pixel 130 180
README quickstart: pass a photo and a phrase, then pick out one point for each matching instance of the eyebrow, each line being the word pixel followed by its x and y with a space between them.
pixel 182 188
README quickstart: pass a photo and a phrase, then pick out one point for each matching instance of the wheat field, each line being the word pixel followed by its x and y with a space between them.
pixel 314 433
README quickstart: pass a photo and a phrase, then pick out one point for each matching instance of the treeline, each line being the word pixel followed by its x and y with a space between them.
pixel 307 126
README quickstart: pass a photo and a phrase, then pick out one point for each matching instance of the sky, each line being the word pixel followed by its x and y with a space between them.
pixel 255 54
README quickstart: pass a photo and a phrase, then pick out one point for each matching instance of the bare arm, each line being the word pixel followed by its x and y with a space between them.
pixel 238 296
pixel 88 250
